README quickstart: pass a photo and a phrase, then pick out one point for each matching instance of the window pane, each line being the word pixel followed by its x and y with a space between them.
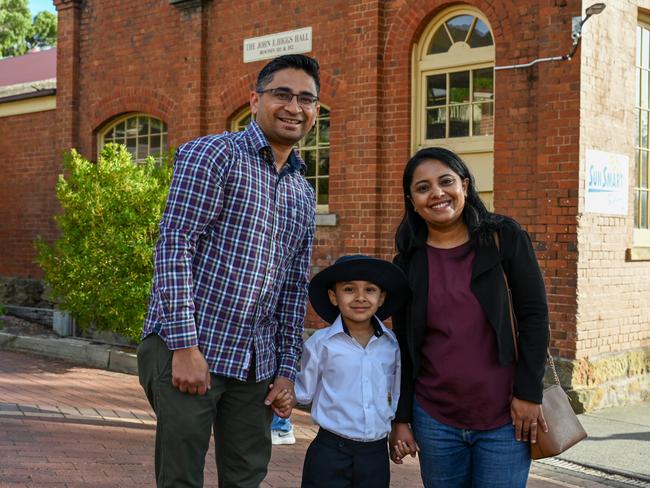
pixel 483 119
pixel 120 132
pixel 459 121
pixel 636 208
pixel 156 126
pixel 644 89
pixel 132 127
pixel 638 45
pixel 310 138
pixel 643 221
pixel 645 49
pixel 480 35
pixel 459 87
pixel 310 161
pixel 110 135
pixel 131 145
pixel 644 128
pixel 440 42
pixel 323 162
pixel 643 173
pixel 144 126
pixel 323 131
pixel 483 84
pixel 143 147
pixel 638 127
pixel 436 120
pixel 459 27
pixel 155 149
pixel 637 88
pixel 436 90
pixel 323 191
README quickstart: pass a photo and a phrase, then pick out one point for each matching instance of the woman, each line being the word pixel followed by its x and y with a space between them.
pixel 471 404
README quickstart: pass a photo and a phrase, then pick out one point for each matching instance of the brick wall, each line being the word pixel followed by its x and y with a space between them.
pixel 185 67
pixel 613 306
pixel 29 166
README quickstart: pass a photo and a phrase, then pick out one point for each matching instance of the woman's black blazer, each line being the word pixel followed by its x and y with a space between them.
pixel 517 257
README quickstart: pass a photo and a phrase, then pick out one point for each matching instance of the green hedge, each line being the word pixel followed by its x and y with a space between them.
pixel 100 267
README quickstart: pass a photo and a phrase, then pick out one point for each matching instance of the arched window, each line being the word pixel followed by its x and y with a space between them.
pixel 314 149
pixel 453 87
pixel 142 135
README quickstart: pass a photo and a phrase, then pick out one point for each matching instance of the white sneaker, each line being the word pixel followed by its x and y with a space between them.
pixel 279 437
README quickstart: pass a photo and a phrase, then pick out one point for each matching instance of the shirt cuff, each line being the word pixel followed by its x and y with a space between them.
pixel 180 335
pixel 287 370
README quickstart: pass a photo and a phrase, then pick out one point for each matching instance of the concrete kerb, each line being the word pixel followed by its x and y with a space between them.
pixel 79 351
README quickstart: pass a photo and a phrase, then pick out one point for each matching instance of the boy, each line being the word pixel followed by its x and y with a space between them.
pixel 351 373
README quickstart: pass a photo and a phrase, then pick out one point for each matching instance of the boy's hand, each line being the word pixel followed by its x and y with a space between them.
pixel 401 442
pixel 286 401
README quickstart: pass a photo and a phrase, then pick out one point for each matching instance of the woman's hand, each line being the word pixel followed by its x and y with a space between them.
pixel 527 417
pixel 401 442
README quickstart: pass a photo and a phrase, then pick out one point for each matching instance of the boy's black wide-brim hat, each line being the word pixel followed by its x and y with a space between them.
pixel 389 277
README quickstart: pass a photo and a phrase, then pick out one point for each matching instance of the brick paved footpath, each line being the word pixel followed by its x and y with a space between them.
pixel 67 426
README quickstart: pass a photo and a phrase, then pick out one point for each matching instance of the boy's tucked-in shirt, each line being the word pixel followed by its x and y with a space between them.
pixel 353 390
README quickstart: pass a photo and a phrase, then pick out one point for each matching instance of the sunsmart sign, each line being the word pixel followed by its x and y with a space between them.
pixel 274 45
pixel 607 182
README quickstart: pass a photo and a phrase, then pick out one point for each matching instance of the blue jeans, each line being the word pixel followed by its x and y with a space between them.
pixel 459 458
pixel 283 425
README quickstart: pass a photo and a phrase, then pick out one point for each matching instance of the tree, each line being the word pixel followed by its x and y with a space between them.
pixel 19 33
pixel 43 32
pixel 100 267
pixel 15 27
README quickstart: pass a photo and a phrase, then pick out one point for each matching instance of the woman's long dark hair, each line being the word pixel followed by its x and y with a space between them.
pixel 412 231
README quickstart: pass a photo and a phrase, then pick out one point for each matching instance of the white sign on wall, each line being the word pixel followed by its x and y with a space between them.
pixel 607 182
pixel 274 45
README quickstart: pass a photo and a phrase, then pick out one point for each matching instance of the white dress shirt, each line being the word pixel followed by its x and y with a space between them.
pixel 353 390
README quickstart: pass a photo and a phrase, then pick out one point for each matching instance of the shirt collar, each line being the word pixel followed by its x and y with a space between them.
pixel 338 327
pixel 261 145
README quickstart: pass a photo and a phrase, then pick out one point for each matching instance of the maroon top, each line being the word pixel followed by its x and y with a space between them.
pixel 460 382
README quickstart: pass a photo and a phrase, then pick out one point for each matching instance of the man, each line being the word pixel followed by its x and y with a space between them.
pixel 223 333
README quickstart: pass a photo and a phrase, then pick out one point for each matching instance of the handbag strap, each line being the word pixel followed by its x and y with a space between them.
pixel 515 342
pixel 549 358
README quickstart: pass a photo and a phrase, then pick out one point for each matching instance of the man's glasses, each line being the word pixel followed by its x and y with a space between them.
pixel 285 97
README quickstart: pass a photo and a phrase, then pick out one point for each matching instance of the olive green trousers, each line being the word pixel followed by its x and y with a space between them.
pixel 233 409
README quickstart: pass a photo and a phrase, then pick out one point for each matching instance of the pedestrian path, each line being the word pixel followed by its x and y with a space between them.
pixel 67 426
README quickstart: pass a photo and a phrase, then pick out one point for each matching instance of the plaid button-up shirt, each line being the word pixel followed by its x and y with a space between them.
pixel 231 265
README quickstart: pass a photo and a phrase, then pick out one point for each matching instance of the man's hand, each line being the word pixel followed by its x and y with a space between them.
pixel 190 373
pixel 527 417
pixel 281 397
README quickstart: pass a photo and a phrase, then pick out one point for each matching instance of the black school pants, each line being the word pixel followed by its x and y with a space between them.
pixel 333 461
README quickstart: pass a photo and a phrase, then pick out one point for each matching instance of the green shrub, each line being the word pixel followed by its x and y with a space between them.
pixel 100 267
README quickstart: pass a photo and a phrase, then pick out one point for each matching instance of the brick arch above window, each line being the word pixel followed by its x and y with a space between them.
pixel 409 22
pixel 132 100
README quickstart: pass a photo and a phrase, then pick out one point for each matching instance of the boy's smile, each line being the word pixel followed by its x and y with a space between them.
pixel 357 301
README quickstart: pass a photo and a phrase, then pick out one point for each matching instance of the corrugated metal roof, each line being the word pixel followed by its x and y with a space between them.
pixel 34 66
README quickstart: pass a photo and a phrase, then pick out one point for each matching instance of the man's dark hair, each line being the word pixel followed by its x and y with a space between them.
pixel 291 61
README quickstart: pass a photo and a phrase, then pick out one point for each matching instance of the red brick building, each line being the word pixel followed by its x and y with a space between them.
pixel 543 140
